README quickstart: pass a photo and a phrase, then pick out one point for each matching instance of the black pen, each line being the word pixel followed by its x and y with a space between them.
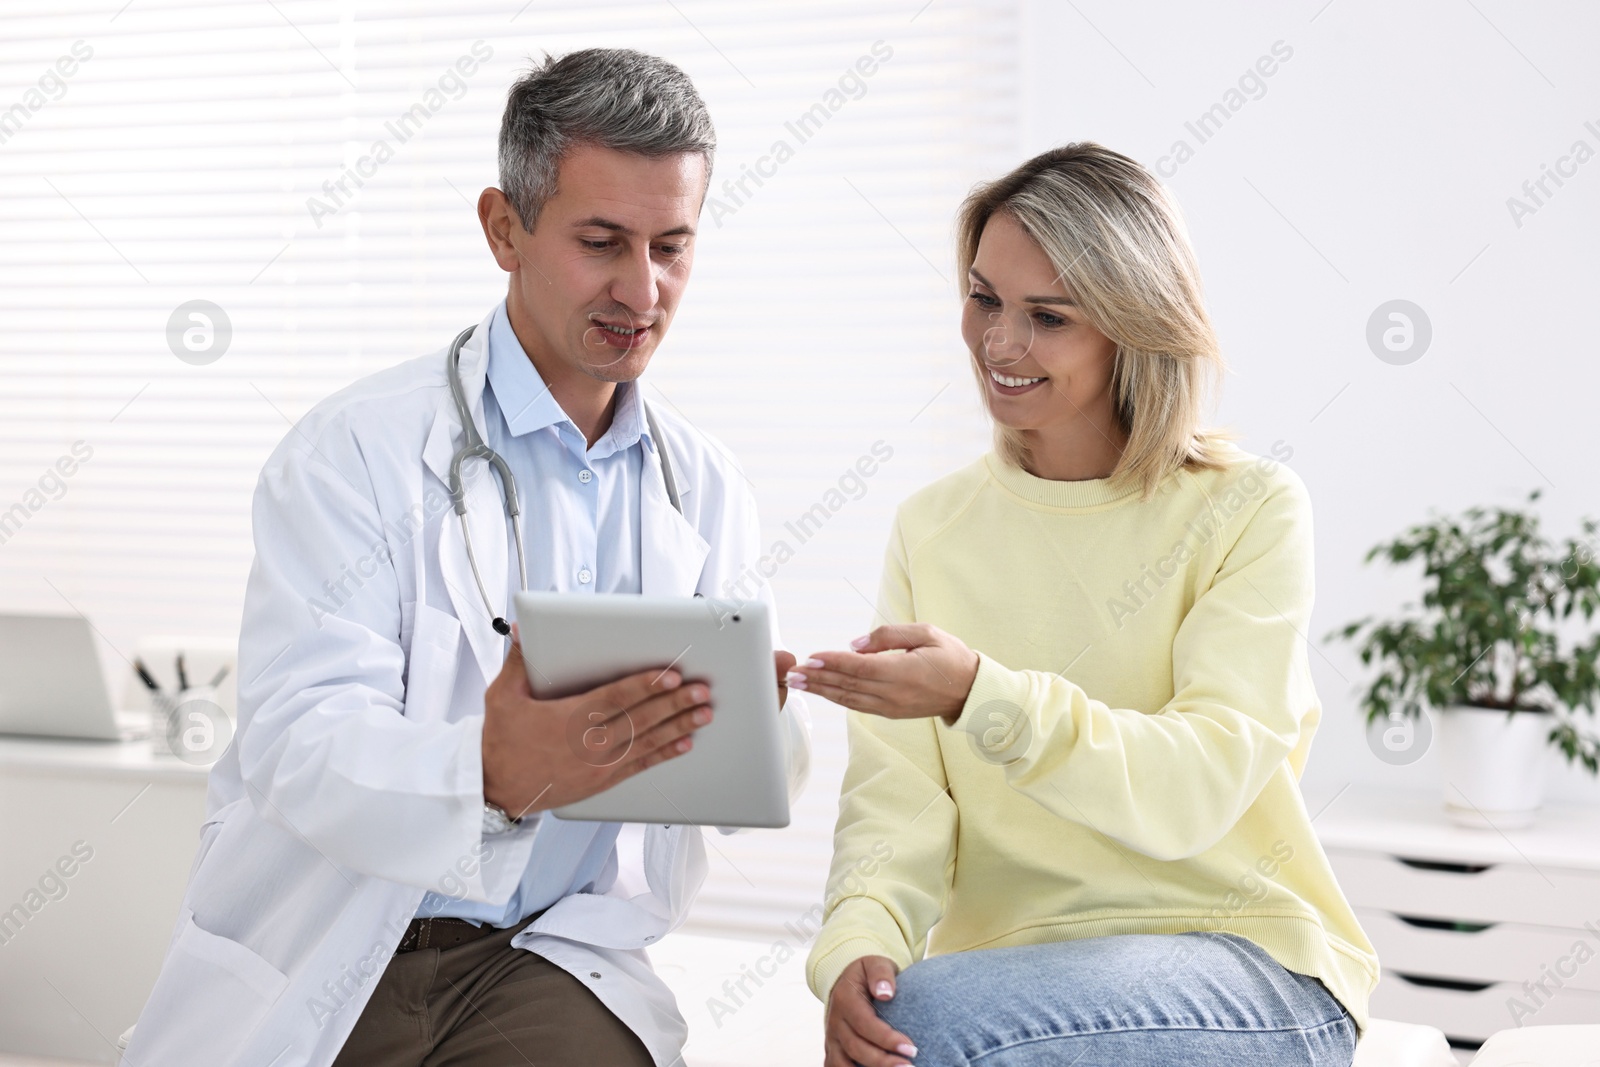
pixel 144 676
pixel 216 679
pixel 183 679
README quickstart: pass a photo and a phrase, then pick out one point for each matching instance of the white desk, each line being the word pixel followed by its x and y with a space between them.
pixel 74 972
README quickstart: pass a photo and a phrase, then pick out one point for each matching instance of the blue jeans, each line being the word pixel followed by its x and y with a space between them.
pixel 1200 999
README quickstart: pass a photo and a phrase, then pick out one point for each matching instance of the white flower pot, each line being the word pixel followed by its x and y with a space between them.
pixel 1494 765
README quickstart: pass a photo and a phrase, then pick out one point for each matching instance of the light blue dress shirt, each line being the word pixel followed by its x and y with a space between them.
pixel 580 529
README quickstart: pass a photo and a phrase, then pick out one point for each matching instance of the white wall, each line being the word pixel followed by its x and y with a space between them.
pixel 1375 165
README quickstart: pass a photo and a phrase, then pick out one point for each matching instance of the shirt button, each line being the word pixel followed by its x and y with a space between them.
pixel 594 974
pixel 585 576
pixel 585 476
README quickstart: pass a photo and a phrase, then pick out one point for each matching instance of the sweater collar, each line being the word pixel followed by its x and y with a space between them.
pixel 1088 493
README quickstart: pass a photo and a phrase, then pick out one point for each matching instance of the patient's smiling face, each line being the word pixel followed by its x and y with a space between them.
pixel 1042 365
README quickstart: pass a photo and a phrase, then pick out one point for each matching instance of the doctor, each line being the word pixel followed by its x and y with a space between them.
pixel 379 880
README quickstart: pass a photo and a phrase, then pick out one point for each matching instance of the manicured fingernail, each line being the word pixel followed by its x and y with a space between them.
pixel 908 1051
pixel 671 680
pixel 813 663
pixel 702 716
pixel 795 681
pixel 861 642
pixel 883 990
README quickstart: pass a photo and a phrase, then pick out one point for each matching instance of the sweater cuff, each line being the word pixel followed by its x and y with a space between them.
pixel 995 716
pixel 826 968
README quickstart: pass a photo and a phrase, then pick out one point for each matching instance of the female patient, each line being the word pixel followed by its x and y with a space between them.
pixel 1072 791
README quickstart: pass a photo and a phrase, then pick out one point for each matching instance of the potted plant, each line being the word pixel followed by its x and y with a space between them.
pixel 1495 650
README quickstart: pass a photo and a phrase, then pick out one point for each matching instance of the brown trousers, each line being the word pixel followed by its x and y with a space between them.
pixel 486 1004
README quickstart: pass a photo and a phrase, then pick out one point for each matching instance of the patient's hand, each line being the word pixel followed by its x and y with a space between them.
pixel 855 1034
pixel 932 678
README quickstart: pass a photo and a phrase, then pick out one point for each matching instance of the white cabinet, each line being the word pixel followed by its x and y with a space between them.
pixel 1476 930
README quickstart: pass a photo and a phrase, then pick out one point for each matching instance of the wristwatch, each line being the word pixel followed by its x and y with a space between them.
pixel 496 821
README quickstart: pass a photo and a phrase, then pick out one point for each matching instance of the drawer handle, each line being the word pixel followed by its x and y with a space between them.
pixel 1440 865
pixel 1443 924
pixel 1429 982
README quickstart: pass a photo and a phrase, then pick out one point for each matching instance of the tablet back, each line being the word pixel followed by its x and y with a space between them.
pixel 735 775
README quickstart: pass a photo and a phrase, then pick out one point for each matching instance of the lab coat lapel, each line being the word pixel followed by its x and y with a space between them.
pixel 673 553
pixel 485 512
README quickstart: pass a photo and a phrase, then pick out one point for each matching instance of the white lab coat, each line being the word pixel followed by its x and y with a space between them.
pixel 354 785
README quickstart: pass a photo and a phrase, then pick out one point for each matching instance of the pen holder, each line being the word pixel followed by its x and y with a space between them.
pixel 190 725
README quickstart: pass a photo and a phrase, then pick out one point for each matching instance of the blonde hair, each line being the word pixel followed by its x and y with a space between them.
pixel 1118 242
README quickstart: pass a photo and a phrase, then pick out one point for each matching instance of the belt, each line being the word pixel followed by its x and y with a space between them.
pixel 445 932
pixel 442 933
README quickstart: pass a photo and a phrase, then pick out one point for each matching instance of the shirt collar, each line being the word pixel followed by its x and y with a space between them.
pixel 526 403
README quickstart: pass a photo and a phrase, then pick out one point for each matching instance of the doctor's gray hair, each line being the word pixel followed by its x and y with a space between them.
pixel 615 98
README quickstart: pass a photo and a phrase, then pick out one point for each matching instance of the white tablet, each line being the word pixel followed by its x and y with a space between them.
pixel 735 775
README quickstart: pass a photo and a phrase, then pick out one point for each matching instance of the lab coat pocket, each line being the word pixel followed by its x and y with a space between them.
pixel 212 994
pixel 431 662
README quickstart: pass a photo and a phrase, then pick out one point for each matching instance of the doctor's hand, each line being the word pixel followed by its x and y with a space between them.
pixel 853 1033
pixel 541 754
pixel 933 677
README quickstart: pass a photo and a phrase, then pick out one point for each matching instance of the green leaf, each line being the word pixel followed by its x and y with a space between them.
pixel 1496 596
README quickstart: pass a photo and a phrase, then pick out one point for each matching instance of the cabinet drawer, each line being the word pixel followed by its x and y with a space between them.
pixel 1500 892
pixel 1501 952
pixel 1475 1014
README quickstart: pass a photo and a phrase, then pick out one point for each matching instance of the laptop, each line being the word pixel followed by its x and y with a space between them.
pixel 51 684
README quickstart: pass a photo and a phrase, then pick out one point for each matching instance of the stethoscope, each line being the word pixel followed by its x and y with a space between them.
pixel 473 446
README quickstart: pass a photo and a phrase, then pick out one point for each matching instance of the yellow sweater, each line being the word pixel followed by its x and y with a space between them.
pixel 1129 758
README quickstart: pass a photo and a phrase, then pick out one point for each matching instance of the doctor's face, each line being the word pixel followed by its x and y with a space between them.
pixel 597 281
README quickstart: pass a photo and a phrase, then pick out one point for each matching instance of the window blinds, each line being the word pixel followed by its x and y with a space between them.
pixel 217 213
